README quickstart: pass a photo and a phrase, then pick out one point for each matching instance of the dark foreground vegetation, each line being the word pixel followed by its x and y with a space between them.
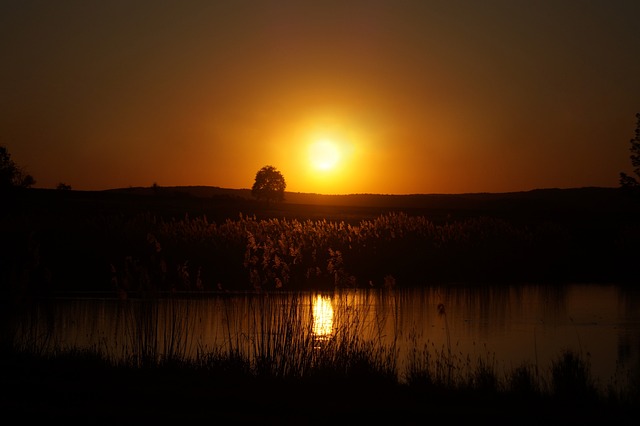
pixel 344 388
pixel 127 245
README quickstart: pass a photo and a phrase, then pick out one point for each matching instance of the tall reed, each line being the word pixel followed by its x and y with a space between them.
pixel 158 331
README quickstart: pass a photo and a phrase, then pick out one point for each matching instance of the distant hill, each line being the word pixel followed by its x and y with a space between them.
pixel 581 208
pixel 589 198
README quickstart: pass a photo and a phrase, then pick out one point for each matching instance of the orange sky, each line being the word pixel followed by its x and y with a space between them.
pixel 418 96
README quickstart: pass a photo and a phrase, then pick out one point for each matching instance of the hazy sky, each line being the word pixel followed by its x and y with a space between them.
pixel 414 96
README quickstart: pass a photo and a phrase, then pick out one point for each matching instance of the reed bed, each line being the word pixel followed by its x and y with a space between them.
pixel 280 343
pixel 144 255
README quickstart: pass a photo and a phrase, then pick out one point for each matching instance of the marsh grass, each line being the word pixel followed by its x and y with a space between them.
pixel 280 348
pixel 282 344
pixel 144 253
pixel 571 377
pixel 440 369
pixel 523 381
pixel 158 331
pixel 32 330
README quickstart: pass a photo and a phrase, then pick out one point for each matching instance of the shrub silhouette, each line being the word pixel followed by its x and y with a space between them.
pixel 571 377
pixel 626 181
pixel 12 176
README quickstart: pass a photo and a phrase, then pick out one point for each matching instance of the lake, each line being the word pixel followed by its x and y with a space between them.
pixel 503 325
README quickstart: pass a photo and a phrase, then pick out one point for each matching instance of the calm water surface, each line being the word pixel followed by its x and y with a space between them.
pixel 505 325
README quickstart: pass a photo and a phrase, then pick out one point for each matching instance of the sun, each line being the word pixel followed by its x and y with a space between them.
pixel 327 159
pixel 324 154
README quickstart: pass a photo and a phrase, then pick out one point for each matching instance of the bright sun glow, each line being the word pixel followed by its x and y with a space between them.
pixel 324 154
pixel 326 158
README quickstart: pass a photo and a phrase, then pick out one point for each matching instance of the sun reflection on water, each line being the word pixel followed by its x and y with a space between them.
pixel 322 316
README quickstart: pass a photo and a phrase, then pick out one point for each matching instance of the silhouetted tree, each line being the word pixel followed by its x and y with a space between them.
pixel 269 184
pixel 12 176
pixel 63 187
pixel 626 181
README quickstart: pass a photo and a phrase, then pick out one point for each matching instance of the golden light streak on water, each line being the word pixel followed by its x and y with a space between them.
pixel 322 316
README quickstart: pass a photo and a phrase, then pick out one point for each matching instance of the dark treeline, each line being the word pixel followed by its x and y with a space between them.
pixel 57 241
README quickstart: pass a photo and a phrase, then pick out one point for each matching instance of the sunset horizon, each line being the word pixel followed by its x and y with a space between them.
pixel 328 194
pixel 342 98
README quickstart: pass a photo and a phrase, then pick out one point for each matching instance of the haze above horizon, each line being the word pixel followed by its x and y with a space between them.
pixel 361 97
